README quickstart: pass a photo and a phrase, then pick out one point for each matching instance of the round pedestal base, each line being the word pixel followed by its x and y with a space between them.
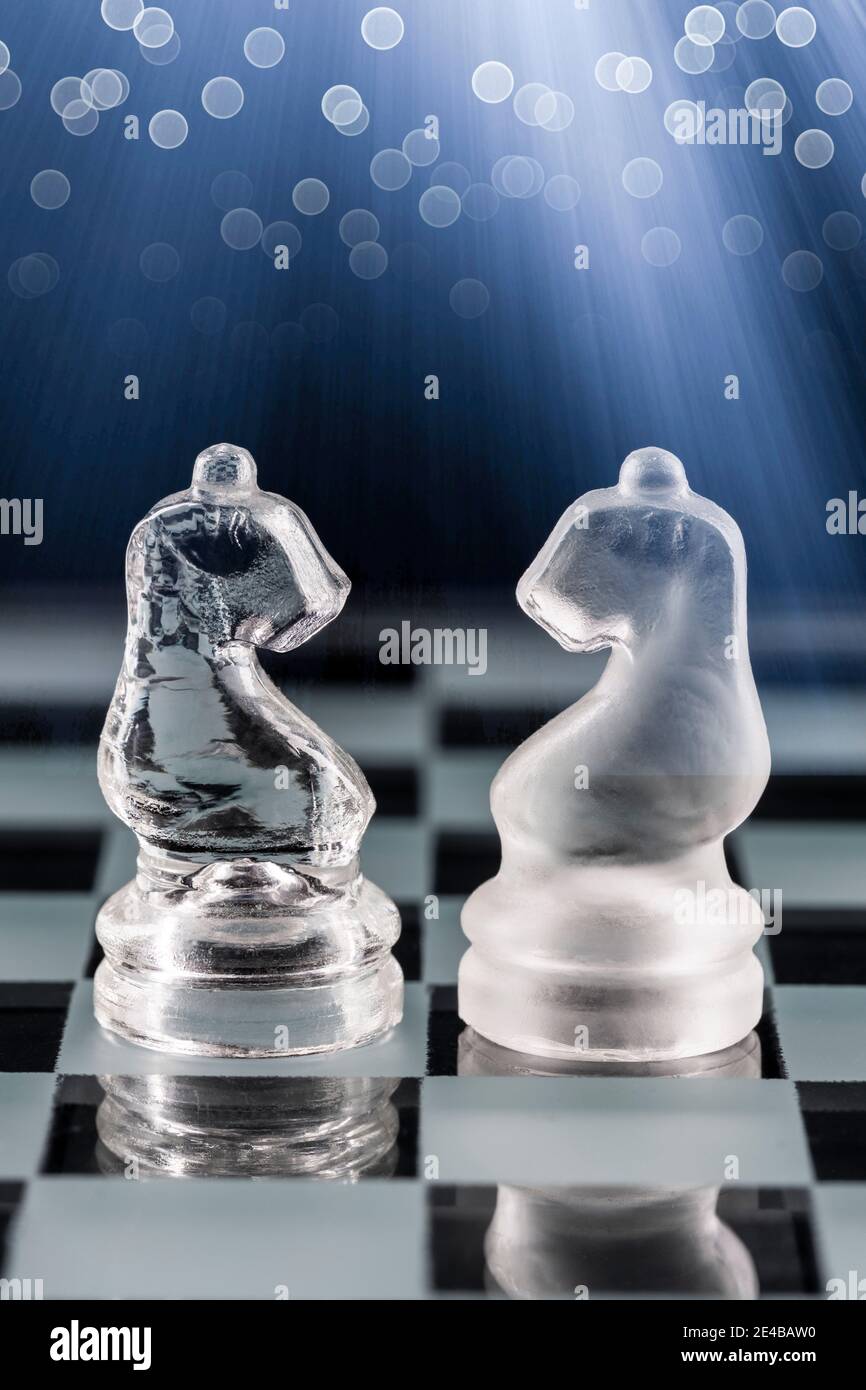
pixel 230 1020
pixel 609 1017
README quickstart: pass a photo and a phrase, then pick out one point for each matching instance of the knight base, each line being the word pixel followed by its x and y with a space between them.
pixel 555 1014
pixel 256 961
pixel 630 983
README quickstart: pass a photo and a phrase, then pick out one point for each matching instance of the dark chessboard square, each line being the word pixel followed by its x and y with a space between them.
pixel 358 666
pixel 44 725
pixel 48 860
pixel 790 797
pixel 465 860
pixel 444 1027
pixel 458 1220
pixel 820 947
pixel 95 957
pixel 463 726
pixel 407 1102
pixel 11 1194
pixel 732 860
pixel 772 1058
pixel 776 1228
pixel 834 1113
pixel 407 949
pixel 395 790
pixel 72 1139
pixel 32 1017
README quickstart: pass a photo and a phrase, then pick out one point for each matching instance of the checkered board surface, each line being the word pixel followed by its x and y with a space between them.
pixel 430 741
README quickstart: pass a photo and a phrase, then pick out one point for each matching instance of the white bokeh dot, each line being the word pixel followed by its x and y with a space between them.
pixel 469 298
pixel 704 24
pixel 480 202
pixel 359 225
pixel 742 235
pixel 342 105
pixel 5 56
pixel 554 111
pixel 382 28
pixel 311 196
pixel 796 26
pixel 728 9
pixel 68 90
pixel 80 118
pixel 159 262
pixel 562 192
pixel 421 148
pixel 106 88
pixel 756 19
pixel 355 127
pixel 241 229
pixel 168 129
pixel 802 271
pixel 32 276
pixel 493 82
pixel 153 27
pixel 517 176
pixel 842 231
pixel 439 206
pixel 121 14
pixel 222 97
pixel 642 178
pixel 765 98
pixel 661 246
pixel 49 189
pixel 814 149
pixel 692 57
pixel 390 170
pixel 634 75
pixel 10 89
pixel 606 69
pixel 264 47
pixel 834 96
pixel 368 260
pixel 231 189
pixel 526 99
pixel 165 54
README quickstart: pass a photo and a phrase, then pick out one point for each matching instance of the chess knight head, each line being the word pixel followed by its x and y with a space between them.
pixel 230 563
pixel 621 560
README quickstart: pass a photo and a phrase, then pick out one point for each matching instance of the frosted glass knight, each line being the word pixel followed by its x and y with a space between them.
pixel 248 929
pixel 613 927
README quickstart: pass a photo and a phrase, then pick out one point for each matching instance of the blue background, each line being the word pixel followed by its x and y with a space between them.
pixel 541 397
